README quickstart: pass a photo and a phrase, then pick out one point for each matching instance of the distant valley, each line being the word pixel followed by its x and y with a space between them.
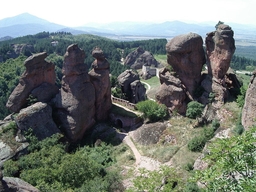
pixel 27 24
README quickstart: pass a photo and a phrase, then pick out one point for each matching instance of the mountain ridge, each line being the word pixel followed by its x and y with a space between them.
pixel 28 24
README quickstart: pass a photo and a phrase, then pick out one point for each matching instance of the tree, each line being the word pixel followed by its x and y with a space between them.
pixel 194 109
pixel 152 110
pixel 232 164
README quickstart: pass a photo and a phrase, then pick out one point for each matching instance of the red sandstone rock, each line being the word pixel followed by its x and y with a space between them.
pixel 75 104
pixel 99 77
pixel 131 86
pixel 186 56
pixel 220 47
pixel 248 113
pixel 140 57
pixel 38 71
pixel 171 92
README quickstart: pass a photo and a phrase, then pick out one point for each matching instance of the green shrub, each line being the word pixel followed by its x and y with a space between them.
pixel 12 127
pixel 215 124
pixel 191 187
pixel 50 168
pixel 194 109
pixel 152 110
pixel 239 129
pixel 197 143
pixel 241 97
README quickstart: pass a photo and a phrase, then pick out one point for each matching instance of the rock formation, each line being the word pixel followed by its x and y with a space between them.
pixel 131 86
pixel 75 103
pixel 186 56
pixel 18 49
pixel 38 72
pixel 138 91
pixel 172 92
pixel 248 113
pixel 37 117
pixel 99 76
pixel 140 57
pixel 220 48
pixel 13 184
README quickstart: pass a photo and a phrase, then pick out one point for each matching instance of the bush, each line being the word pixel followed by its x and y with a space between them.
pixel 197 143
pixel 194 109
pixel 241 97
pixel 215 124
pixel 50 168
pixel 152 110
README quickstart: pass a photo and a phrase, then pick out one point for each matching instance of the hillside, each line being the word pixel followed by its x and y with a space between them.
pixel 145 155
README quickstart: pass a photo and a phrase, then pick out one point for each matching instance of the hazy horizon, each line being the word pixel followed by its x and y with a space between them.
pixel 79 13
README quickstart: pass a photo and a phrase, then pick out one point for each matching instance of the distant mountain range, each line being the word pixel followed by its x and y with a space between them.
pixel 27 24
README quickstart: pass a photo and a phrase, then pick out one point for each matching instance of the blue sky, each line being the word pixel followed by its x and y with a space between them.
pixel 79 12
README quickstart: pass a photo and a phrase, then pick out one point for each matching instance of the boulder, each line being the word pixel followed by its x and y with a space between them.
pixel 131 86
pixel 37 117
pixel 249 108
pixel 185 54
pixel 148 134
pixel 140 57
pixel 138 91
pixel 75 103
pixel 171 92
pixel 99 77
pixel 13 184
pixel 38 71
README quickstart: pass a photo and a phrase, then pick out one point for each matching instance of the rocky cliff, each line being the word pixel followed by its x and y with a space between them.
pixel 75 103
pixel 131 86
pixel 220 47
pixel 99 77
pixel 73 106
pixel 248 113
pixel 185 54
pixel 140 57
pixel 187 82
pixel 38 73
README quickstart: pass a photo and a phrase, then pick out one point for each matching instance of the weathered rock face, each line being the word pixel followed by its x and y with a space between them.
pixel 186 56
pixel 38 117
pixel 99 76
pixel 131 86
pixel 75 104
pixel 138 91
pixel 248 113
pixel 140 57
pixel 18 49
pixel 219 50
pixel 148 133
pixel 171 92
pixel 13 184
pixel 220 47
pixel 38 71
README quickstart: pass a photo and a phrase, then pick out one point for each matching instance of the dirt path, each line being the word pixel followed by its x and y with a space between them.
pixel 141 161
pixel 148 89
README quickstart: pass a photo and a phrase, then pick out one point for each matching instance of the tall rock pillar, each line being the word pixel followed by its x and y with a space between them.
pixel 75 103
pixel 99 77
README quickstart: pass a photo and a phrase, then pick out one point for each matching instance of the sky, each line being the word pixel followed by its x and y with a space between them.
pixel 74 13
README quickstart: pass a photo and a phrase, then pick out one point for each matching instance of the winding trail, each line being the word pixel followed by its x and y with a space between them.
pixel 140 161
pixel 148 89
